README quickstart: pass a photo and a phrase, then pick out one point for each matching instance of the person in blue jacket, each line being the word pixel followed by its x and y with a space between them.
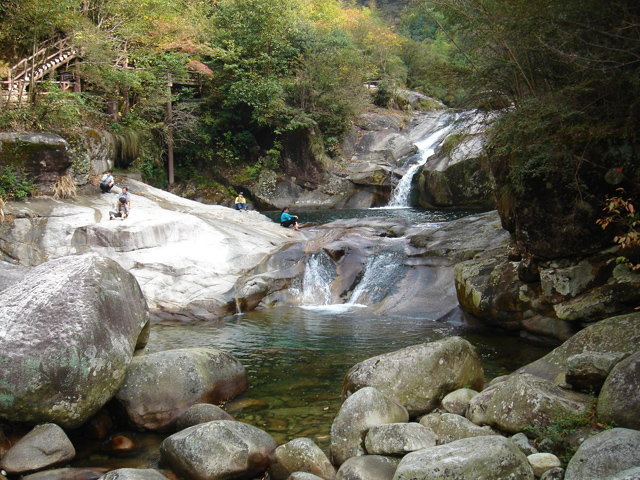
pixel 286 219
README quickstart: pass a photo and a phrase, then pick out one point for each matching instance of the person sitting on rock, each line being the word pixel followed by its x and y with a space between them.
pixel 121 212
pixel 241 202
pixel 127 198
pixel 106 183
pixel 286 219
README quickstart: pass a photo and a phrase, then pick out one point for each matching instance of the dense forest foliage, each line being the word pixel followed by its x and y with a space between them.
pixel 565 76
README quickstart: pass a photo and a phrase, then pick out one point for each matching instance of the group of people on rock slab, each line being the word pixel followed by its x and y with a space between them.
pixel 286 219
pixel 123 205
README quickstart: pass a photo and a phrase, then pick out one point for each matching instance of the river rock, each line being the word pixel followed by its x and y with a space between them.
pixel 458 401
pixel 90 473
pixel 303 476
pixel 201 413
pixel 522 442
pixel 450 427
pixel 467 459
pixel 618 336
pixel 588 371
pixel 44 446
pixel 398 439
pixel 218 450
pixel 68 331
pixel 368 467
pixel 418 377
pixel 543 462
pixel 301 455
pixel 605 455
pixel 159 387
pixel 619 400
pixel 359 412
pixel 523 400
pixel 556 473
pixel 133 474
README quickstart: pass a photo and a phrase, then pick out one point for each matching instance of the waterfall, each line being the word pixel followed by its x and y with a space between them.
pixel 400 195
pixel 381 273
pixel 316 283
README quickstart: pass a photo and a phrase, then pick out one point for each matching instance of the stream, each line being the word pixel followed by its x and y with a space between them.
pixel 296 357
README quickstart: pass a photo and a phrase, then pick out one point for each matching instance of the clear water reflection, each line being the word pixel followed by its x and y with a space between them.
pixel 296 358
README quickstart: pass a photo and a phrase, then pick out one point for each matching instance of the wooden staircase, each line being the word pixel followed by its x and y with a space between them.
pixel 49 56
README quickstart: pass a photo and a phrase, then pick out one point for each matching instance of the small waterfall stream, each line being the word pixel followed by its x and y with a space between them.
pixel 379 274
pixel 400 195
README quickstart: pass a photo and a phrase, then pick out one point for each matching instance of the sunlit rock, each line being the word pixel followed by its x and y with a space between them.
pixel 359 412
pixel 68 330
pixel 159 387
pixel 418 377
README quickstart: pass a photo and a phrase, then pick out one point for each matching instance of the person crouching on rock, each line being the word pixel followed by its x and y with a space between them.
pixel 286 219
pixel 122 210
pixel 106 182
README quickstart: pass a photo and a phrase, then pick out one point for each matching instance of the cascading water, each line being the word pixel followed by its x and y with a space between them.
pixel 316 283
pixel 400 195
pixel 380 274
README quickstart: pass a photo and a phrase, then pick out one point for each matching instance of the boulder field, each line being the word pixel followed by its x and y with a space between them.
pixel 503 430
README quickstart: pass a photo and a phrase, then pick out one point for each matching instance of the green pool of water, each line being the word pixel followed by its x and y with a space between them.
pixel 296 360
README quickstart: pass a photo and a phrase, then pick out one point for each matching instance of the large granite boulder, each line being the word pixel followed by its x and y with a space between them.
pixel 364 409
pixel 219 450
pixel 68 330
pixel 524 400
pixel 605 455
pixel 301 455
pixel 618 336
pixel 418 377
pixel 44 446
pixel 158 388
pixel 467 459
pixel 619 399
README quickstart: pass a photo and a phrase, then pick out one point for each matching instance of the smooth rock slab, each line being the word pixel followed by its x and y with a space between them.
pixel 44 446
pixel 219 450
pixel 159 387
pixel 605 455
pixel 361 411
pixel 479 458
pixel 398 439
pixel 68 331
pixel 418 377
pixel 301 455
pixel 368 467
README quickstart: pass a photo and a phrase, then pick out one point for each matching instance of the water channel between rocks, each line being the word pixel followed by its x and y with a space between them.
pixel 296 360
